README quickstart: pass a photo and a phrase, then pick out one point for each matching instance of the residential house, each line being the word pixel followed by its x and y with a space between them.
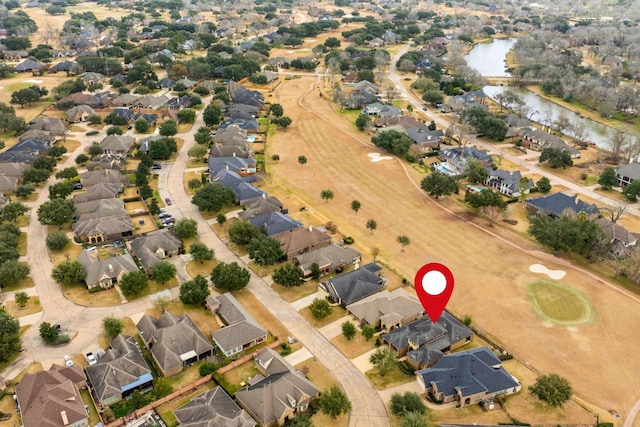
pixel 259 206
pixel 241 186
pixel 560 204
pixel 119 372
pixel 211 85
pixel 105 176
pixel 79 113
pixel 622 242
pixel 117 144
pixel 366 86
pixel 15 55
pixel 401 123
pixel 52 398
pixel 474 98
pixel 25 151
pixel 125 100
pixel 123 112
pixel 155 246
pixel 468 378
pixel 275 223
pixel 188 83
pixel 280 62
pixel 241 332
pixel 66 66
pixel 457 157
pixel 329 258
pixel 350 79
pixel 166 83
pixel 249 124
pixel 627 173
pixel 49 124
pixel 95 230
pixel 174 341
pixel 38 135
pixel 98 191
pixel 355 285
pixel 425 138
pixel 79 98
pixel 538 140
pixel 214 408
pixel 107 161
pixel 28 65
pixel 278 393
pixel 8 184
pixel 13 170
pixel 92 78
pixel 381 110
pixel 100 207
pixel 507 183
pixel 151 102
pixel 424 342
pixel 300 240
pixel 240 165
pixel 150 118
pixel 269 75
pixel 219 150
pixel 387 310
pixel 177 103
pixel 242 95
pixel 104 272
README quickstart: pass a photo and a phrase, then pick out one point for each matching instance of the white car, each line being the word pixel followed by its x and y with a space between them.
pixel 91 359
pixel 68 362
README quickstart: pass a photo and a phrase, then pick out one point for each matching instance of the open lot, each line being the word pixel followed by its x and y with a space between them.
pixel 490 265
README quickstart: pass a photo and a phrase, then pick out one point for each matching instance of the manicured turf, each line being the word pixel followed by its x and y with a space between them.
pixel 559 304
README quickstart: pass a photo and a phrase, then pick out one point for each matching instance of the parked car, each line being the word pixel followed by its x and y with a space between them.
pixel 168 201
pixel 77 186
pixel 164 215
pixel 91 359
pixel 68 362
pixel 156 166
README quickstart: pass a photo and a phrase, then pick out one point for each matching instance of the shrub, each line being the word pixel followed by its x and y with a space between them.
pixel 92 132
pixel 207 368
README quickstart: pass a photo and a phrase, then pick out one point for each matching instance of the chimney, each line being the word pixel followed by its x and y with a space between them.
pixel 234 154
pixel 226 167
pixel 65 420
pixel 310 229
pixel 111 268
pixel 264 195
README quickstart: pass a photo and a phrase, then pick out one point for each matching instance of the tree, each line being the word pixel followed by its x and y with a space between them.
pixel 212 115
pixel 283 122
pixel 221 218
pixel 56 212
pixel 94 150
pixel 168 128
pixel 114 130
pixel 194 183
pixel 544 185
pixel 230 277
pixel 212 197
pixel 288 275
pixel 23 191
pixel 363 122
pixel 81 159
pixel 22 298
pixel 186 228
pixel 301 420
pixel 133 282
pixel 163 271
pixel 154 209
pixel 12 211
pixel 276 110
pixel 608 178
pixel 67 173
pixel 565 234
pixel 203 135
pixel 368 332
pixel 552 389
pixel 413 419
pixel 326 195
pixel 433 97
pixel 476 173
pixel 332 42
pixel 112 327
pixel 35 176
pixel 195 291
pixel 60 190
pixel 302 160
pixel 384 359
pixel 265 250
pixel 12 272
pixel 407 402
pixel 392 141
pixel 320 308
pixel 200 252
pixel 94 119
pixel 26 96
pixel 187 115
pixel 334 402
pixel 57 240
pixel 197 152
pixel 556 157
pixel 315 271
pixel 631 191
pixel 438 184
pixel 242 232
pixel 355 206
pixel 48 333
pixel 349 330
pixel 403 240
pixel 68 272
pixel 9 335
pixel 372 225
pixel 141 125
pixel 485 198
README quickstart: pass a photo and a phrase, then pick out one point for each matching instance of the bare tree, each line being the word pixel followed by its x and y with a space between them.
pixel 579 133
pixel 617 144
pixel 633 149
pixel 614 213
pixel 49 34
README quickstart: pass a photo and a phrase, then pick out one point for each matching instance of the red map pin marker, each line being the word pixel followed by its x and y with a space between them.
pixel 434 286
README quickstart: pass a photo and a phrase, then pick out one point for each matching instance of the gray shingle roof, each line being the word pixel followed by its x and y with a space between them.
pixel 632 171
pixel 559 203
pixel 469 372
pixel 101 269
pixel 260 206
pixel 331 255
pixel 374 307
pixel 355 285
pixel 117 143
pixel 213 409
pixel 241 327
pixel 275 222
pixel 149 247
pixel 119 369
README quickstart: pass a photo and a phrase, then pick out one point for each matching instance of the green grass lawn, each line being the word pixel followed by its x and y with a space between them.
pixel 393 378
pixel 94 418
pixel 559 304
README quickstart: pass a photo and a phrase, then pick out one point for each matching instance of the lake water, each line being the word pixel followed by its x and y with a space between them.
pixel 489 60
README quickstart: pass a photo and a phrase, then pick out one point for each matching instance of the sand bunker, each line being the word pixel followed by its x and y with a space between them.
pixel 553 274
pixel 32 81
pixel 376 157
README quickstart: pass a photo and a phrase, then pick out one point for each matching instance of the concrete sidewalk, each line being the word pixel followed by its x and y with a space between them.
pixel 334 328
pixel 306 301
pixel 299 356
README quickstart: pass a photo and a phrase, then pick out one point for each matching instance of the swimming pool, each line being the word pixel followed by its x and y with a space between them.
pixel 445 168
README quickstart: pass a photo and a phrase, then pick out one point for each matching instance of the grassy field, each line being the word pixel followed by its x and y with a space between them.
pixel 490 264
pixel 559 304
pixel 33 306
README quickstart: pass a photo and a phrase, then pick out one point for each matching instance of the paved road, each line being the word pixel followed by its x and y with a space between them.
pixel 368 407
